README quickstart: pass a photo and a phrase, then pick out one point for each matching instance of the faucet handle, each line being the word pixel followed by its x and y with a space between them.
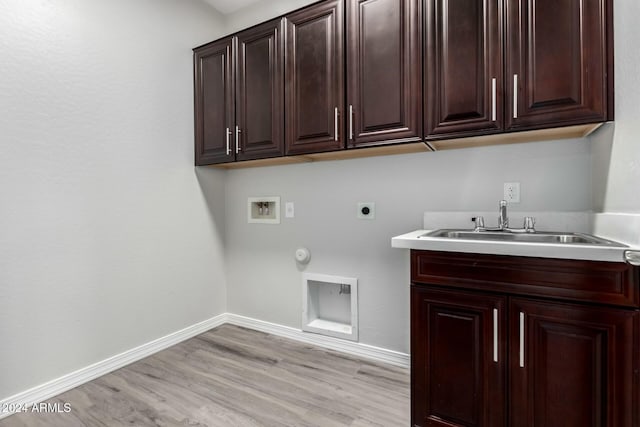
pixel 479 222
pixel 529 224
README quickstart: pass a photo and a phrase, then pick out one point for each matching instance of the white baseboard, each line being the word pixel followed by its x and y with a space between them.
pixel 354 348
pixel 74 379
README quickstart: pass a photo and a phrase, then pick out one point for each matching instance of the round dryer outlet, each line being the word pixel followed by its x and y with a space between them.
pixel 366 210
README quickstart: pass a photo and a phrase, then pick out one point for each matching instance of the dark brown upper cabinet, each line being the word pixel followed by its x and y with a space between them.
pixel 559 62
pixel 239 91
pixel 360 73
pixel 260 91
pixel 214 102
pixel 314 90
pixel 384 72
pixel 463 65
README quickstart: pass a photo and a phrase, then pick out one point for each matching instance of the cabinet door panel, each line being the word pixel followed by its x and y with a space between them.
pixel 214 104
pixel 463 67
pixel 574 365
pixel 383 63
pixel 457 377
pixel 315 81
pixel 259 91
pixel 559 53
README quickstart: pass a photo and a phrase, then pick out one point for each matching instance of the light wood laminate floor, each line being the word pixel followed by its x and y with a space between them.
pixel 231 376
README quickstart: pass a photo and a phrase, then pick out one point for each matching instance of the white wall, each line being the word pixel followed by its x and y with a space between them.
pixel 260 12
pixel 616 149
pixel 599 173
pixel 264 281
pixel 109 238
pixel 106 238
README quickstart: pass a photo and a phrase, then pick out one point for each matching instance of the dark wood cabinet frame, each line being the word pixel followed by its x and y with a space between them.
pixel 517 341
pixel 353 74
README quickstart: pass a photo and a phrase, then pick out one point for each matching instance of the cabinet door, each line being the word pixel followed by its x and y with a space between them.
pixel 458 355
pixel 463 67
pixel 558 66
pixel 260 92
pixel 384 72
pixel 214 104
pixel 315 79
pixel 571 365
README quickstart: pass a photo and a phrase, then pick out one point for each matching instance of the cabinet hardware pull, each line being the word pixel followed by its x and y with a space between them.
pixel 335 123
pixel 515 96
pixel 351 122
pixel 493 99
pixel 495 335
pixel 228 133
pixel 521 339
pixel 632 257
pixel 238 139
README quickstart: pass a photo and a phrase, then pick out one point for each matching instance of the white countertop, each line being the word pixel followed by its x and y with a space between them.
pixel 413 240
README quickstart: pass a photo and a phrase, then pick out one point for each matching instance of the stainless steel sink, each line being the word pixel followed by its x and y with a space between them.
pixel 537 237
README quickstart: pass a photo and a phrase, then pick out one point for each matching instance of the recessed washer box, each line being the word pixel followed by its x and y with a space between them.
pixel 330 305
pixel 263 210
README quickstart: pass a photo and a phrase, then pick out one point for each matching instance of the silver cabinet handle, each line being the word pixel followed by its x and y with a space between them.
pixel 335 123
pixel 494 88
pixel 228 133
pixel 351 122
pixel 515 96
pixel 632 257
pixel 521 339
pixel 238 139
pixel 495 335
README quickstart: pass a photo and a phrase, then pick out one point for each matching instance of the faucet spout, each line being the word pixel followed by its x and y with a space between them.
pixel 503 219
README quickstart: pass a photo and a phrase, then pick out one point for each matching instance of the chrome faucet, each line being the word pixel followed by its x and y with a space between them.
pixel 503 222
pixel 503 219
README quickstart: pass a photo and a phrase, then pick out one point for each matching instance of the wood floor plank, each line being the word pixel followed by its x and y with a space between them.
pixel 231 376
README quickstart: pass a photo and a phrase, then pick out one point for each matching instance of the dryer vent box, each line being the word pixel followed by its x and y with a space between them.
pixel 330 305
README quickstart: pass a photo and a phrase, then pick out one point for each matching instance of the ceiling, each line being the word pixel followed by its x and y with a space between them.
pixel 229 6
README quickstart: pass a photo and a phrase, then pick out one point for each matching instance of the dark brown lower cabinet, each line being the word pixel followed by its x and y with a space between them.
pixel 571 365
pixel 495 358
pixel 456 379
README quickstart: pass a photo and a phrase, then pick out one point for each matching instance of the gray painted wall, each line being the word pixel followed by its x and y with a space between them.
pixel 264 281
pixel 616 149
pixel 260 12
pixel 110 238
pixel 601 172
pixel 107 239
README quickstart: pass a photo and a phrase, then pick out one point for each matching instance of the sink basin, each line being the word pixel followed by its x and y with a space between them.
pixel 537 237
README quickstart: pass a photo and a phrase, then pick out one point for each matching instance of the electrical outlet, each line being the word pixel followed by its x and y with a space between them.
pixel 512 192
pixel 366 210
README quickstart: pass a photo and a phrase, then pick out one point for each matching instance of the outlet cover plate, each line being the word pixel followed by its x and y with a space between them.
pixel 512 192
pixel 289 210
